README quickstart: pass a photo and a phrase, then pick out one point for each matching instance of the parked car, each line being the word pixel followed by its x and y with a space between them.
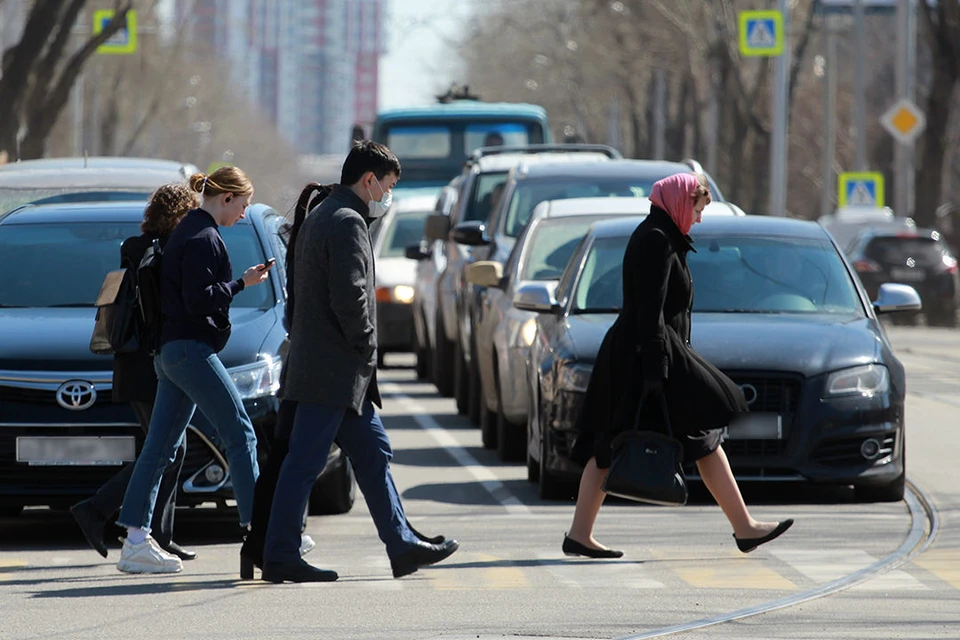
pixel 778 309
pixel 97 179
pixel 61 435
pixel 504 333
pixel 918 258
pixel 396 275
pixel 477 191
pixel 527 186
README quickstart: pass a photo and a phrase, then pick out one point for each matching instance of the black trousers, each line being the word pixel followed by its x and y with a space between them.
pixel 109 497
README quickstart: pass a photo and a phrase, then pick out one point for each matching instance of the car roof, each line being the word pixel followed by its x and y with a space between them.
pixel 591 206
pixel 726 225
pixel 108 212
pixel 101 162
pixel 611 168
pixel 90 177
pixel 464 108
pixel 507 161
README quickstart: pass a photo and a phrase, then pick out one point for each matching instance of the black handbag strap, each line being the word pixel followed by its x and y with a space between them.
pixel 664 410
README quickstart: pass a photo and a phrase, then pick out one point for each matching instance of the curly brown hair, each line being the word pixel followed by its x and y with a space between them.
pixel 167 206
pixel 702 190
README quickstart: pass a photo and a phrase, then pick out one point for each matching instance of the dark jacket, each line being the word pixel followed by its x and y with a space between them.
pixel 333 336
pixel 651 339
pixel 134 379
pixel 197 286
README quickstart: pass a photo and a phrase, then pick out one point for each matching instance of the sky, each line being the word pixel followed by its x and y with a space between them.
pixel 421 60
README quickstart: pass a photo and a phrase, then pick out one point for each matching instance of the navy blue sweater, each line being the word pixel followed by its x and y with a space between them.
pixel 198 285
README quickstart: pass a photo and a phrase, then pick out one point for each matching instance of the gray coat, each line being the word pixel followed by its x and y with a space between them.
pixel 333 340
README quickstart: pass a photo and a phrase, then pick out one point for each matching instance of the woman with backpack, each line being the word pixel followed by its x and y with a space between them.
pixel 135 381
pixel 197 287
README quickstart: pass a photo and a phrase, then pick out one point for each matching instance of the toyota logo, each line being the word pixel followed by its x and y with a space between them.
pixel 749 392
pixel 76 395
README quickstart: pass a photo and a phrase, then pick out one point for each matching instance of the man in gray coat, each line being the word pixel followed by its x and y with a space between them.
pixel 331 373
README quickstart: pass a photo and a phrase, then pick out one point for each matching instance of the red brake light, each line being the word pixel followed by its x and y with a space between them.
pixel 866 266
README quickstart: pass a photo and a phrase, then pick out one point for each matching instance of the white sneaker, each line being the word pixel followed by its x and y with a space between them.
pixel 306 544
pixel 147 557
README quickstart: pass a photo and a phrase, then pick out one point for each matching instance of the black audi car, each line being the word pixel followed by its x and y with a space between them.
pixel 61 435
pixel 779 310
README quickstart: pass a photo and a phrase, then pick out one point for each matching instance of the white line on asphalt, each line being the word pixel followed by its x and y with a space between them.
pixel 442 437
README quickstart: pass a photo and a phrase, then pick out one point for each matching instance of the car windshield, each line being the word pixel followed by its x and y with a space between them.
pixel 405 230
pixel 896 251
pixel 63 264
pixel 736 275
pixel 529 193
pixel 549 247
pixel 13 197
pixel 487 189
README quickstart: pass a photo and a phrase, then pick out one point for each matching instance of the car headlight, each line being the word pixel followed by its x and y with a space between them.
pixel 258 380
pixel 868 380
pixel 401 293
pixel 574 377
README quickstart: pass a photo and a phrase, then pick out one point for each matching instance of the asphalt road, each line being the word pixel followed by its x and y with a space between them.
pixel 510 579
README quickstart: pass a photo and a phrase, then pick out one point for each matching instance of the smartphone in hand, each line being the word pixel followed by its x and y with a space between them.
pixel 269 263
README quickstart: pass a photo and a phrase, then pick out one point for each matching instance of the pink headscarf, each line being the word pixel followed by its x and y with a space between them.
pixel 674 194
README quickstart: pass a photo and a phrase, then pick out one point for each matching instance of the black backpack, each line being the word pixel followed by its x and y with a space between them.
pixel 128 308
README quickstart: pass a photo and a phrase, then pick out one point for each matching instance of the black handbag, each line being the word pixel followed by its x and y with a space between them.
pixel 646 464
pixel 116 328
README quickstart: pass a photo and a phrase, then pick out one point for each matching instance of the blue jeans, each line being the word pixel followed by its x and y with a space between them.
pixel 189 375
pixel 364 440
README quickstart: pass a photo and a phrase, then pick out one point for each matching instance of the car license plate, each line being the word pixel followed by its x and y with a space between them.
pixel 903 274
pixel 756 426
pixel 76 450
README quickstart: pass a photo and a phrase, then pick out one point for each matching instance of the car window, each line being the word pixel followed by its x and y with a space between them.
pixel 771 275
pixel 13 197
pixel 405 229
pixel 549 248
pixel 487 189
pixel 893 250
pixel 529 193
pixel 496 134
pixel 419 142
pixel 63 264
pixel 600 286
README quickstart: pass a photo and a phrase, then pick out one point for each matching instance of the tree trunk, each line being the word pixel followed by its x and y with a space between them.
pixel 929 178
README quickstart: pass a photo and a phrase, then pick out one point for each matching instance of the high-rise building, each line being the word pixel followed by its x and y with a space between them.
pixel 310 65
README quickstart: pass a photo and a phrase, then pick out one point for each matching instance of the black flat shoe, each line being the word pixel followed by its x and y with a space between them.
pixel 278 572
pixel 421 555
pixel 573 548
pixel 424 538
pixel 177 550
pixel 91 524
pixel 749 544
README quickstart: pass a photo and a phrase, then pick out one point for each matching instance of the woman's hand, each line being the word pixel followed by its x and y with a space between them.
pixel 256 274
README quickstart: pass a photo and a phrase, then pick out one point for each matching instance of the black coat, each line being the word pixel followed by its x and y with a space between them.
pixel 651 339
pixel 134 379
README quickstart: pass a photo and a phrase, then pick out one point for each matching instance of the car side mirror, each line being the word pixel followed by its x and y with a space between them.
pixel 471 233
pixel 485 273
pixel 538 297
pixel 436 227
pixel 415 252
pixel 896 297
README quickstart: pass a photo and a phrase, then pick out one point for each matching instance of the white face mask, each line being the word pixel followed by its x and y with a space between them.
pixel 378 208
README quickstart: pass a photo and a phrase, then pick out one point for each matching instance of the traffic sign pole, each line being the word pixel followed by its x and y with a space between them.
pixel 778 141
pixel 903 178
pixel 858 90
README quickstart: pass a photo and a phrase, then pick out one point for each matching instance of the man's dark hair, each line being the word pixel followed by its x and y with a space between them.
pixel 367 155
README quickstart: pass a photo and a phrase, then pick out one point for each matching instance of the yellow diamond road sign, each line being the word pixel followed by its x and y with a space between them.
pixel 904 121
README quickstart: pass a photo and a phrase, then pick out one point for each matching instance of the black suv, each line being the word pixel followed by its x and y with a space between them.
pixel 918 258
pixel 61 435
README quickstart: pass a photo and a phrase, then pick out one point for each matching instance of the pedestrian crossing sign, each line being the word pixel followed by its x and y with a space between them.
pixel 863 189
pixel 124 40
pixel 761 33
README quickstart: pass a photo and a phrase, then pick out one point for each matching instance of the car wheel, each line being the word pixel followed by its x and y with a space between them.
pixel 533 466
pixel 474 400
pixel 461 381
pixel 943 319
pixel 443 361
pixel 334 493
pixel 380 355
pixel 488 425
pixel 550 486
pixel 511 443
pixel 422 351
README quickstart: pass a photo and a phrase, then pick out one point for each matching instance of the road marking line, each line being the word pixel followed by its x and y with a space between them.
pixel 943 563
pixel 725 572
pixel 442 437
pixel 824 566
pixel 589 574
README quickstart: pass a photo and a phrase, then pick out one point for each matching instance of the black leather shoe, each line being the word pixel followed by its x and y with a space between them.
pixel 277 572
pixel 749 544
pixel 91 524
pixel 573 548
pixel 177 550
pixel 424 538
pixel 421 555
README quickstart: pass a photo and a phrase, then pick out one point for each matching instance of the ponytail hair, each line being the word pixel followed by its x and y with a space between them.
pixel 313 194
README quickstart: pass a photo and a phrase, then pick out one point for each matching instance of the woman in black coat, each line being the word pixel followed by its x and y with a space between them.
pixel 647 351
pixel 135 381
